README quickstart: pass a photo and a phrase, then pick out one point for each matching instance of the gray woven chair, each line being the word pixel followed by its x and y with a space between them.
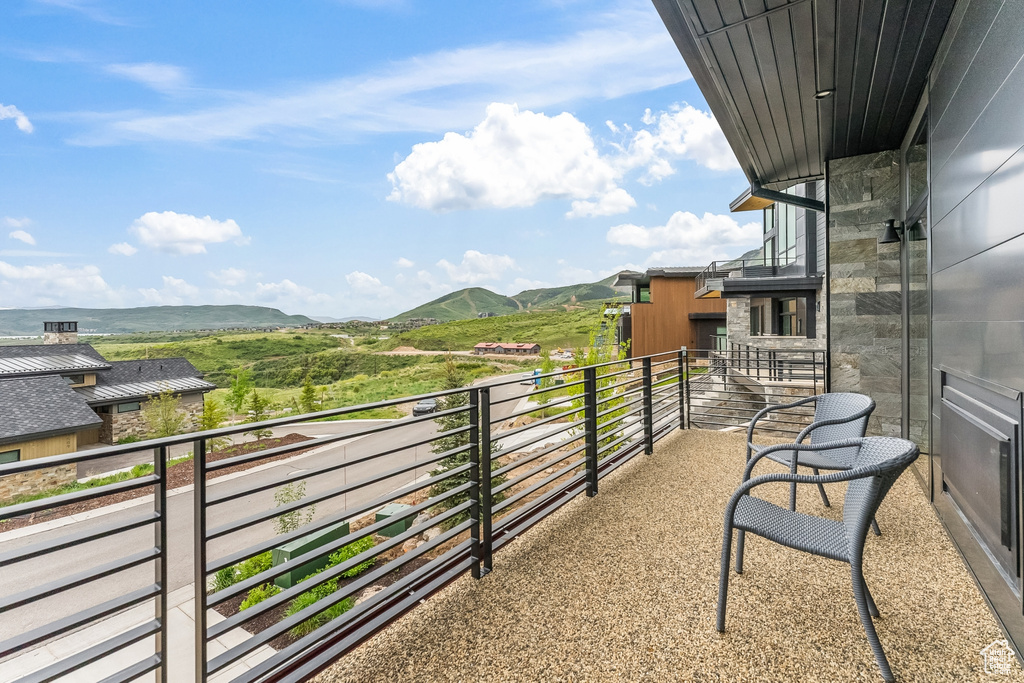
pixel 837 417
pixel 877 464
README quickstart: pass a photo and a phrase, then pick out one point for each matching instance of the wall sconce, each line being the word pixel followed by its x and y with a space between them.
pixel 892 232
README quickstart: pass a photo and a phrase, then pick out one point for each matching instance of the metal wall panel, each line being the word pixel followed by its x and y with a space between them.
pixel 988 287
pixel 995 59
pixel 964 39
pixel 990 215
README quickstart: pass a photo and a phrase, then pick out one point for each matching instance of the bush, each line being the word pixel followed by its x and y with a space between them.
pixel 225 578
pixel 253 566
pixel 131 438
pixel 348 552
pixel 313 596
pixel 259 594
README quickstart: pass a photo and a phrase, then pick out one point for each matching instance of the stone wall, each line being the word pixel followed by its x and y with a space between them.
pixel 117 426
pixel 738 324
pixel 35 481
pixel 864 278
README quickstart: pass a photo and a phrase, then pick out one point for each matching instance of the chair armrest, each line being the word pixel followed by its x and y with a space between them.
pixel 769 409
pixel 834 421
pixel 796 447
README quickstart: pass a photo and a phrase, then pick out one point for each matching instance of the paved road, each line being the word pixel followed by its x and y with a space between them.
pixel 180 523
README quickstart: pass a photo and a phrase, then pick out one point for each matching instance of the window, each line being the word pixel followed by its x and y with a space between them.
pixel 75 379
pixel 787 234
pixel 642 294
pixel 779 317
pixel 769 219
pixel 128 407
pixel 10 456
pixel 758 317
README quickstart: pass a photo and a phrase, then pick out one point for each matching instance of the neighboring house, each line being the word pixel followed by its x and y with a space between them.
pixel 514 349
pixel 78 398
pixel 663 315
pixel 775 293
pixel 898 127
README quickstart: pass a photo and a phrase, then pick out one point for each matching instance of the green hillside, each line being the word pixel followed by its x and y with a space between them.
pixel 148 319
pixel 468 303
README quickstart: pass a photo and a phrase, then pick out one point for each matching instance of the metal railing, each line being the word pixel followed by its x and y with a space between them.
pixel 542 446
pixel 764 266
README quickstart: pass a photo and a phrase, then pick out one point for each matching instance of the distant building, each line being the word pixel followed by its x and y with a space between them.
pixel 513 349
pixel 486 314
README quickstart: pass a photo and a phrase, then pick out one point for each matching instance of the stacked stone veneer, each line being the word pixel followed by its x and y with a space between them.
pixel 864 278
pixel 117 426
pixel 38 480
pixel 738 324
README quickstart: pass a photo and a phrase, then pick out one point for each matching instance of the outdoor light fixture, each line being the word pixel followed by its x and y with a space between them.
pixel 892 232
pixel 822 94
pixel 916 233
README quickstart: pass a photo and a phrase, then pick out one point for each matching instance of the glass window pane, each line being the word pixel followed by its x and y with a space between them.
pixel 10 456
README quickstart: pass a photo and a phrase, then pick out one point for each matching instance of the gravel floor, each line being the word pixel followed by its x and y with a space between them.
pixel 623 587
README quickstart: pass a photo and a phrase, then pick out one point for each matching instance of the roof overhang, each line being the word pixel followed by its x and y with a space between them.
pixel 729 287
pixel 808 80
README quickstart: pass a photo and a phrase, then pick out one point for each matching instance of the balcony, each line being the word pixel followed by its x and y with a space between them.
pixel 591 553
pixel 757 276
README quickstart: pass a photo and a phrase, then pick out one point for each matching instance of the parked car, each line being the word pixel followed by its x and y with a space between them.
pixel 427 405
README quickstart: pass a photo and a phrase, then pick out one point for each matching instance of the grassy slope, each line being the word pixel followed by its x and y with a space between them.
pixel 549 329
pixel 148 318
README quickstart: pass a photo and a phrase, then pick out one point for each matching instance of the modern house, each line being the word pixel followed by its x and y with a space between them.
pixel 513 349
pixel 906 115
pixel 663 315
pixel 60 396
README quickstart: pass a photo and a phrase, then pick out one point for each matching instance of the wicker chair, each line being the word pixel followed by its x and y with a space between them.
pixel 837 417
pixel 877 464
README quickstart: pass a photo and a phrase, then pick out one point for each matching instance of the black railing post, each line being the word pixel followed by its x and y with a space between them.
pixel 590 423
pixel 680 365
pixel 199 516
pixel 474 478
pixel 160 568
pixel 689 406
pixel 648 408
pixel 486 504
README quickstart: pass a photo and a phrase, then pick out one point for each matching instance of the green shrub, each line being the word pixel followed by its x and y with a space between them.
pixel 315 595
pixel 224 578
pixel 253 566
pixel 351 550
pixel 259 594
pixel 131 438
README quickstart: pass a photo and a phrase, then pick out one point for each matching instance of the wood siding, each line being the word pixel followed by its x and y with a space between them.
pixel 664 324
pixel 41 448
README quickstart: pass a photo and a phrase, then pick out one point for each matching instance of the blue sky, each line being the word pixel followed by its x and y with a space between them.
pixel 348 157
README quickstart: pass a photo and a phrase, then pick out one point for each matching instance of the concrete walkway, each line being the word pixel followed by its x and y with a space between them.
pixel 623 587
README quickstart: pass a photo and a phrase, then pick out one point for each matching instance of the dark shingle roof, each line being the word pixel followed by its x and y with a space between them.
pixel 150 370
pixel 33 407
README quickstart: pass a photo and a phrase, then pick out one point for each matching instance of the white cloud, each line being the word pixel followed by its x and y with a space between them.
pixel 165 78
pixel 435 92
pixel 512 158
pixel 287 293
pixel 175 292
pixel 181 233
pixel 363 283
pixel 477 267
pixel 403 262
pixel 229 277
pixel 88 8
pixel 683 132
pixel 22 236
pixel 122 248
pixel 53 284
pixel 687 240
pixel 20 120
pixel 616 201
pixel 17 222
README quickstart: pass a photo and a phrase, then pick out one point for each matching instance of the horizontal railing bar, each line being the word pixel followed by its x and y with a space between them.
pixel 566 385
pixel 612 444
pixel 66 583
pixel 624 394
pixel 539 454
pixel 541 484
pixel 76 661
pixel 12 511
pixel 509 432
pixel 621 406
pixel 574 485
pixel 540 407
pixel 46 547
pixel 519 447
pixel 766 422
pixel 73 621
pixel 266 515
pixel 306 474
pixel 533 472
pixel 269 575
pixel 607 423
pixel 241 650
pixel 321 524
pixel 132 672
pixel 611 387
pixel 297 649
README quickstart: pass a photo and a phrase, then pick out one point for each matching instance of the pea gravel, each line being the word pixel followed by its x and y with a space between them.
pixel 623 587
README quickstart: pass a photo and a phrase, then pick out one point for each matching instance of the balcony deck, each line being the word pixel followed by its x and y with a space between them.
pixel 623 587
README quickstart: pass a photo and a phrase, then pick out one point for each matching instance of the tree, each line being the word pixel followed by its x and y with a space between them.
pixel 290 521
pixel 163 415
pixel 241 384
pixel 307 399
pixel 212 418
pixel 454 379
pixel 547 366
pixel 602 349
pixel 258 413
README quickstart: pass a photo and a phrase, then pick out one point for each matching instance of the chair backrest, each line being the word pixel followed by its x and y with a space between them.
pixel 837 406
pixel 886 458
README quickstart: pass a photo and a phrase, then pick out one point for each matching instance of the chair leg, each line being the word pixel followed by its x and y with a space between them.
pixel 723 577
pixel 872 607
pixel 741 536
pixel 861 597
pixel 874 527
pixel 821 490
